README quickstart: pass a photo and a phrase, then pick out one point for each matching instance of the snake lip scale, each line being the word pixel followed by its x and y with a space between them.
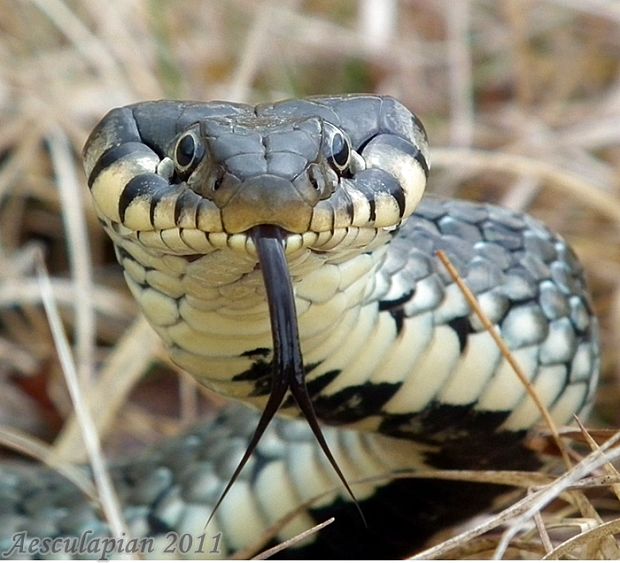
pixel 286 256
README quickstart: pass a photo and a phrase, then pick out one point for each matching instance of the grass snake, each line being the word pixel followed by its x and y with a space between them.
pixel 286 257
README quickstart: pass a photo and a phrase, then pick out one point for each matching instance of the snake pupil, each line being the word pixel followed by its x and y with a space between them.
pixel 340 152
pixel 186 151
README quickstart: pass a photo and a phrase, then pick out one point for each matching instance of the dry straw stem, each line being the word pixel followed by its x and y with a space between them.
pixel 524 510
pixel 36 449
pixel 294 540
pixel 78 248
pixel 103 482
pixel 578 187
pixel 86 43
pixel 542 532
pixel 597 534
pixel 253 50
pixel 24 292
pixel 490 328
pixel 484 548
pixel 611 471
pixel 19 158
pixel 109 393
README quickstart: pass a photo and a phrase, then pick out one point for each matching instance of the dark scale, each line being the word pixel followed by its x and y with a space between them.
pixel 354 403
pixel 463 328
pixel 395 308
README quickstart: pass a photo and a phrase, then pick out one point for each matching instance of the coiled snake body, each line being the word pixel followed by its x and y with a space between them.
pixel 202 202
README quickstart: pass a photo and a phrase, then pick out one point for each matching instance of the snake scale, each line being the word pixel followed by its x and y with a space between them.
pixel 284 254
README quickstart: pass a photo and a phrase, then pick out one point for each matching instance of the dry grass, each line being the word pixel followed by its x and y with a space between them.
pixel 521 100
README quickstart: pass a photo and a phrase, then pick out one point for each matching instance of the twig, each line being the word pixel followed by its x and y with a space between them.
pixel 580 188
pixel 79 252
pixel 123 368
pixel 598 533
pixel 505 351
pixel 294 540
pixel 525 509
pixel 36 449
pixel 460 73
pixel 107 495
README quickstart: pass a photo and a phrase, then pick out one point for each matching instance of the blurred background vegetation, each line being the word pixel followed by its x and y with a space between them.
pixel 521 100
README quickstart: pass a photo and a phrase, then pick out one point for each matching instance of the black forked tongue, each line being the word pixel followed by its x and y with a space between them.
pixel 288 365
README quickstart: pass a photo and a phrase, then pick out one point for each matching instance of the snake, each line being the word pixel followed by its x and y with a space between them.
pixel 288 258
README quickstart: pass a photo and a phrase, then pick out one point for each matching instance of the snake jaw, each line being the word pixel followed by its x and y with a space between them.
pixel 288 366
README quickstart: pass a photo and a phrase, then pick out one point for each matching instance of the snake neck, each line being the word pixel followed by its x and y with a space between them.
pixel 211 309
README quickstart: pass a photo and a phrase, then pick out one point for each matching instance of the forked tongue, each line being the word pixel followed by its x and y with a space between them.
pixel 288 365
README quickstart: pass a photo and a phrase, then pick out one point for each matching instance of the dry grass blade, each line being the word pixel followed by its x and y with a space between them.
pixel 598 481
pixel 611 471
pixel 121 372
pixel 294 540
pixel 482 548
pixel 490 328
pixel 524 510
pixel 87 44
pixel 253 50
pixel 36 449
pixel 602 8
pixel 377 22
pixel 589 195
pixel 17 358
pixel 542 532
pixel 522 479
pixel 108 498
pixel 78 250
pixel 18 160
pixel 25 291
pixel 598 533
pixel 459 55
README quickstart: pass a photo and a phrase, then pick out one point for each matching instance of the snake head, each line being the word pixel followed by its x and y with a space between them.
pixel 326 168
pixel 260 172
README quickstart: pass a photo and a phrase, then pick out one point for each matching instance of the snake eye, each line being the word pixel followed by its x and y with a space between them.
pixel 338 149
pixel 188 152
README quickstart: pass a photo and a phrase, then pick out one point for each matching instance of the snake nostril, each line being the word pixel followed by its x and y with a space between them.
pixel 217 184
pixel 317 181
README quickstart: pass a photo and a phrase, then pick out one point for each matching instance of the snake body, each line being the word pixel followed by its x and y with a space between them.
pixel 391 348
